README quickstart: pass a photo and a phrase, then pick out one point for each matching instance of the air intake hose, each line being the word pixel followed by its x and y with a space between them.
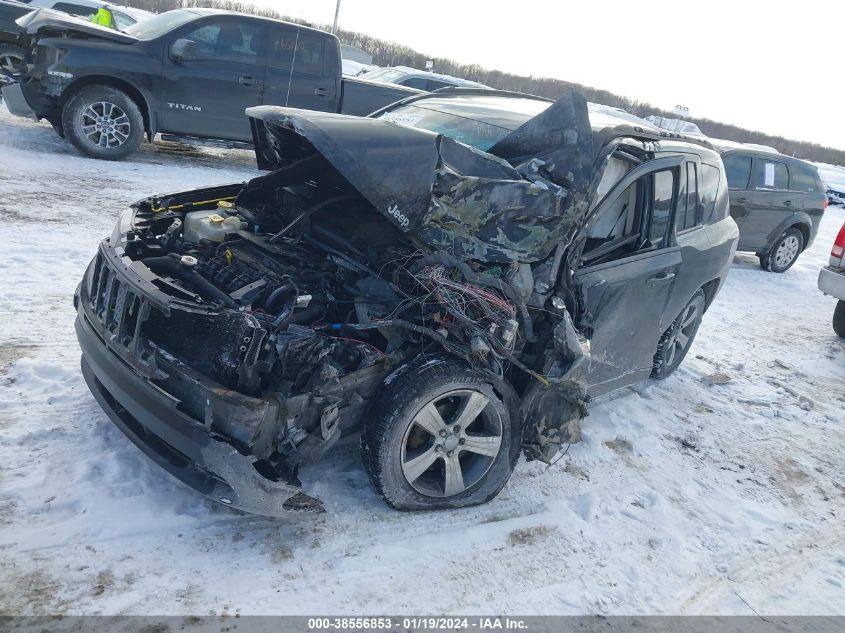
pixel 172 266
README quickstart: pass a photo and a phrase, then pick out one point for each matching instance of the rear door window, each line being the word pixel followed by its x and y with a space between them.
pixel 663 191
pixel 687 217
pixel 770 175
pixel 804 178
pixel 738 170
pixel 310 54
pixel 282 47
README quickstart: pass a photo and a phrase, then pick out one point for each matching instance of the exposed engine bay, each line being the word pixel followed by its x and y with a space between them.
pixel 359 290
pixel 270 317
pixel 392 280
pixel 314 299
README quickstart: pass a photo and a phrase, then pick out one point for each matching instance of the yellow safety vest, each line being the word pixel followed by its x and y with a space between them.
pixel 103 18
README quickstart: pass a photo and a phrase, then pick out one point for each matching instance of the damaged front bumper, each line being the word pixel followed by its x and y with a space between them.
pixel 220 467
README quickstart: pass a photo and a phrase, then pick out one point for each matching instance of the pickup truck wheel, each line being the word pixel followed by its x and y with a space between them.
pixel 839 319
pixel 784 252
pixel 10 57
pixel 678 338
pixel 103 122
pixel 438 436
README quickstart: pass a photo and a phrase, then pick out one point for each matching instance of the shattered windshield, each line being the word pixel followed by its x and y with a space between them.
pixel 479 122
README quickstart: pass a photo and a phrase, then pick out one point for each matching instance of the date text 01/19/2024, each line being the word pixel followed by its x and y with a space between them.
pixel 419 623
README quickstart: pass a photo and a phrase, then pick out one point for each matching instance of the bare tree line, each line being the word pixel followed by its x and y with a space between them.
pixel 387 53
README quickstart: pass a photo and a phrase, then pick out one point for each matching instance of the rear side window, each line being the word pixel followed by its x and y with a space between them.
pixel 709 189
pixel 738 170
pixel 804 178
pixel 770 174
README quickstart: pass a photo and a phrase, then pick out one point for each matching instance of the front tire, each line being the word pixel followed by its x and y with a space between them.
pixel 839 319
pixel 437 436
pixel 784 251
pixel 103 122
pixel 678 338
pixel 10 57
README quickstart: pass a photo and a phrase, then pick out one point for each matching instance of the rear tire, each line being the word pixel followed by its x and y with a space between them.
pixel 678 338
pixel 839 319
pixel 103 122
pixel 784 251
pixel 437 436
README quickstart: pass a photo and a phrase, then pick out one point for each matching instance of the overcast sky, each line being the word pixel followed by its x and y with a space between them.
pixel 777 67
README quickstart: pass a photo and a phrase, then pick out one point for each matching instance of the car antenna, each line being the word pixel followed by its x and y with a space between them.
pixel 292 65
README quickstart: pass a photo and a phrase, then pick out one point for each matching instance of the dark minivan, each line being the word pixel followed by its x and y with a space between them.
pixel 776 200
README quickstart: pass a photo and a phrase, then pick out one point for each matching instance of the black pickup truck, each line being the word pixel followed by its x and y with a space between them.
pixel 187 74
pixel 11 54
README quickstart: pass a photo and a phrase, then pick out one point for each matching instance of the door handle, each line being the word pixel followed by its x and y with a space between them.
pixel 248 81
pixel 661 278
pixel 787 203
pixel 742 199
pixel 320 92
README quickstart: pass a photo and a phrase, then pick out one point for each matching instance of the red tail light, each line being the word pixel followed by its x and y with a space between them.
pixel 825 203
pixel 839 244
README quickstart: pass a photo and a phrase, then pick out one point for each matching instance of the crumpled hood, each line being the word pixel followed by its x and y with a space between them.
pixel 58 22
pixel 452 197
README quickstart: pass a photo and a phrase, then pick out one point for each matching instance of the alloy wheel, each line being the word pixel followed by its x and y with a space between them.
pixel 451 443
pixel 105 124
pixel 8 62
pixel 682 334
pixel 787 251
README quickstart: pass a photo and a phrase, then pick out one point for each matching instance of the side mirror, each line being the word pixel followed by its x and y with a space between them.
pixel 183 50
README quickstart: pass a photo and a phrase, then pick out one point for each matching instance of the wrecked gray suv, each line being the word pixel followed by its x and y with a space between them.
pixel 454 277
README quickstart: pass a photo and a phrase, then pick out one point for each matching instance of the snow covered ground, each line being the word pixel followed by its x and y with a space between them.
pixel 718 490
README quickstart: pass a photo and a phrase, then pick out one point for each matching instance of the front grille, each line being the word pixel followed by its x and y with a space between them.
pixel 115 310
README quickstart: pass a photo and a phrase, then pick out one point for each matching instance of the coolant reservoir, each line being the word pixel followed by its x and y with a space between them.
pixel 210 225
